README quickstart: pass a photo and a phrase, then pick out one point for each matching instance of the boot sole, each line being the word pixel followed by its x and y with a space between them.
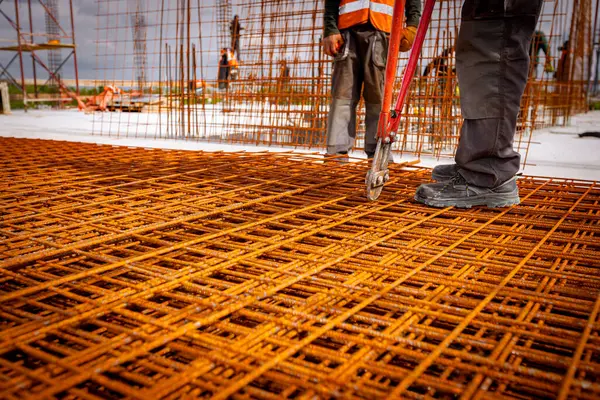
pixel 488 200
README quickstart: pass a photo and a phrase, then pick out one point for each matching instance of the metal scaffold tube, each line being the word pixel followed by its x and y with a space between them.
pixel 46 49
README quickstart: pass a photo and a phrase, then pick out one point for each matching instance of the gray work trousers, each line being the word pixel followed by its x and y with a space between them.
pixel 492 63
pixel 358 67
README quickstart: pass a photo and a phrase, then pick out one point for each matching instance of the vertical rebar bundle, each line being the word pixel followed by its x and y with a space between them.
pixel 52 30
pixel 139 30
pixel 277 93
pixel 224 17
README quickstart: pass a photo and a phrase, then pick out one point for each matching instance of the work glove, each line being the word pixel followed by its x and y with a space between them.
pixel 407 38
pixel 332 44
pixel 548 67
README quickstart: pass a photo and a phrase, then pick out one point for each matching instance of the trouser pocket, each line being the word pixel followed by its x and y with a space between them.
pixel 379 49
pixel 342 54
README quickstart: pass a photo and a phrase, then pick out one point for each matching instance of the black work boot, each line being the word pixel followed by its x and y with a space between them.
pixel 443 173
pixel 458 193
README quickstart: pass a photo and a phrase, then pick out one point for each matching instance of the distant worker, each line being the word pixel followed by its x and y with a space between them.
pixel 224 70
pixel 439 68
pixel 284 73
pixel 284 70
pixel 439 65
pixel 233 65
pixel 562 69
pixel 539 43
pixel 442 90
pixel 283 84
pixel 235 28
pixel 357 36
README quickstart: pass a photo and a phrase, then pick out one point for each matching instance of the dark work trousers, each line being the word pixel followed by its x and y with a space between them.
pixel 492 62
pixel 224 73
pixel 358 67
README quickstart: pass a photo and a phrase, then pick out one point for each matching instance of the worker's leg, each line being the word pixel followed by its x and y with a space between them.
pixel 237 48
pixel 222 77
pixel 346 84
pixel 374 45
pixel 492 63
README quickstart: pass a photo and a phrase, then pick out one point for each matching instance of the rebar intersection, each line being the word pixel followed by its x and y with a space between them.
pixel 166 274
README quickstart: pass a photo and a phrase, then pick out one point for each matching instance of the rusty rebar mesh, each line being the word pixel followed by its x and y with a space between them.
pixel 281 93
pixel 147 273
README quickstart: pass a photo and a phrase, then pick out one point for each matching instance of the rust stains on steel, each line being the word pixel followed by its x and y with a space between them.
pixel 166 274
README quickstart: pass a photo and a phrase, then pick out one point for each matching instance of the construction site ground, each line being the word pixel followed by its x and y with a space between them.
pixel 137 268
pixel 554 152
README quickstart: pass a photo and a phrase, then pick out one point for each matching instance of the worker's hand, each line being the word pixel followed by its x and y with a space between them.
pixel 332 44
pixel 548 67
pixel 407 38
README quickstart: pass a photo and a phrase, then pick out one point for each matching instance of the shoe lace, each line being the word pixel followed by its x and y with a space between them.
pixel 459 180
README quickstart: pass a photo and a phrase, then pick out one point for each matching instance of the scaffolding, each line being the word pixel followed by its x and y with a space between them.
pixel 53 34
pixel 224 17
pixel 59 35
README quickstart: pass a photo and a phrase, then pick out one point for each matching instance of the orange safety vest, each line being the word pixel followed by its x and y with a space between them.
pixel 355 12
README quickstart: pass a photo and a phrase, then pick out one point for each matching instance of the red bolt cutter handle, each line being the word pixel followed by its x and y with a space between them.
pixel 387 124
pixel 378 175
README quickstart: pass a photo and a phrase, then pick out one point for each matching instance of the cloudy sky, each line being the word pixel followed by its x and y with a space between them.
pixel 104 37
pixel 103 33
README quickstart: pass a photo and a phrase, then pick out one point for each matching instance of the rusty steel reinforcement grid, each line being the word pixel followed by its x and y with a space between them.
pixel 169 274
pixel 280 94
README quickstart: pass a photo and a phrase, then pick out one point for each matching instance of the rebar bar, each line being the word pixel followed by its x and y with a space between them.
pixel 146 273
pixel 279 94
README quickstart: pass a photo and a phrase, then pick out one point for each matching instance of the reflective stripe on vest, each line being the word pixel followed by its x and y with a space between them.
pixel 360 11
